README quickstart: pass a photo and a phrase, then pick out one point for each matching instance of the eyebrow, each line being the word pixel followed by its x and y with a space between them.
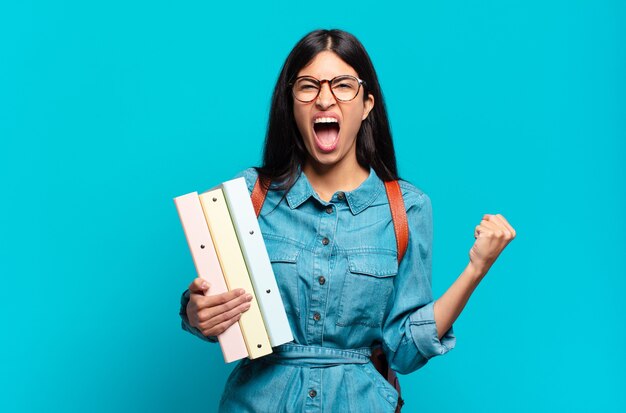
pixel 313 77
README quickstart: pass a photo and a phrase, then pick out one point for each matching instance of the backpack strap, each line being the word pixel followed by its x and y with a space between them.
pixel 398 216
pixel 259 192
pixel 396 204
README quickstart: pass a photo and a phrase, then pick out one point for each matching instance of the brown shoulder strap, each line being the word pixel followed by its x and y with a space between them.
pixel 398 216
pixel 259 192
pixel 396 204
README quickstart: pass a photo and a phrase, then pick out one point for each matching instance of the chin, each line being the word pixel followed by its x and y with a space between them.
pixel 326 159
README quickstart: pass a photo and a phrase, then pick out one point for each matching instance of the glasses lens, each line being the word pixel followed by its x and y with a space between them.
pixel 306 89
pixel 345 87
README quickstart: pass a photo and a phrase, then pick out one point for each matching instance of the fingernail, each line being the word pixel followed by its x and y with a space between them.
pixel 204 285
pixel 240 291
pixel 249 297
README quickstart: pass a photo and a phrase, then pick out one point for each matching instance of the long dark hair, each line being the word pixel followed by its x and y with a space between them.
pixel 284 152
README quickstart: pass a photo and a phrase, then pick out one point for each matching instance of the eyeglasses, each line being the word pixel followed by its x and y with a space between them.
pixel 344 88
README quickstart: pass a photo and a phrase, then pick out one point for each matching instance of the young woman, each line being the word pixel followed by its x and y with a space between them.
pixel 328 229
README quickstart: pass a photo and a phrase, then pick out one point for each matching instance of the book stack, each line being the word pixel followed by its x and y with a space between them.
pixel 229 253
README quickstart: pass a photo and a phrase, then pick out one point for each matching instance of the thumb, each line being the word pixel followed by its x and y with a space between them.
pixel 199 286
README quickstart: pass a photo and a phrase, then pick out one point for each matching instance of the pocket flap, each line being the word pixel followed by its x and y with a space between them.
pixel 374 264
pixel 281 250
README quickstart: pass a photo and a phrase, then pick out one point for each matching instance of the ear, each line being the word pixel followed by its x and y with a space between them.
pixel 368 105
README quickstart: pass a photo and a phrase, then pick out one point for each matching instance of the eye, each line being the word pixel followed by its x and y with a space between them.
pixel 306 85
pixel 345 83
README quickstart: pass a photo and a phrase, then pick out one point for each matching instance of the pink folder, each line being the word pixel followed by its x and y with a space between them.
pixel 208 267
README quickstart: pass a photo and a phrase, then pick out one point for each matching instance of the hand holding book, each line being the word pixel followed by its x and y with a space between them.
pixel 212 315
pixel 235 296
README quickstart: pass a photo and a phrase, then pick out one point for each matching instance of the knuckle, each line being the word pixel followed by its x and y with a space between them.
pixel 220 318
pixel 230 305
pixel 206 324
pixel 222 309
pixel 204 315
pixel 234 313
pixel 226 315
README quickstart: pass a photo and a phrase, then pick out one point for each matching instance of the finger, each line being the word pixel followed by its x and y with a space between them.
pixel 500 221
pixel 506 223
pixel 481 230
pixel 220 328
pixel 214 305
pixel 229 305
pixel 218 299
pixel 227 315
pixel 497 226
pixel 502 226
pixel 489 224
pixel 199 286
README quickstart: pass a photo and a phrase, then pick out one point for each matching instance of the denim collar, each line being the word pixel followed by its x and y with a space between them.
pixel 357 199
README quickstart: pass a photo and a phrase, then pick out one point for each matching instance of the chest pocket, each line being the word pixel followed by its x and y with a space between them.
pixel 284 258
pixel 368 284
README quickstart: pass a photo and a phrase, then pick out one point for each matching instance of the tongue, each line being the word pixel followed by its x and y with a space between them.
pixel 327 133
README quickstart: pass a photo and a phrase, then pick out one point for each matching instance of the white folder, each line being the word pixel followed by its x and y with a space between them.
pixel 257 260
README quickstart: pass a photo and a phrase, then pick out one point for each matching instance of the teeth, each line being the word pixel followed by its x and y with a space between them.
pixel 325 120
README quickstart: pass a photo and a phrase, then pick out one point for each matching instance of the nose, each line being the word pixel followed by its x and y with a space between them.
pixel 325 98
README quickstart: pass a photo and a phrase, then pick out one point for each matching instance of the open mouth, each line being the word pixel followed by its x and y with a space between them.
pixel 326 133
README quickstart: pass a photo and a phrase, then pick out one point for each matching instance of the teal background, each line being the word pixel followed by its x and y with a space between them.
pixel 110 109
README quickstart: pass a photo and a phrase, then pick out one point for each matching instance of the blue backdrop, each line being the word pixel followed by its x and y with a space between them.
pixel 110 109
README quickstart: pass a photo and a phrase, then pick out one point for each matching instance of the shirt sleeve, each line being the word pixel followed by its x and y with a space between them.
pixel 184 300
pixel 409 333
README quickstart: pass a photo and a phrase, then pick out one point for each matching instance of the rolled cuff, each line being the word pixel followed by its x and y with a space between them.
pixel 184 300
pixel 424 333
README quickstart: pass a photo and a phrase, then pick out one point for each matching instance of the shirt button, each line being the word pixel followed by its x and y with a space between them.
pixel 325 241
pixel 322 280
pixel 312 393
pixel 317 316
pixel 341 196
pixel 329 210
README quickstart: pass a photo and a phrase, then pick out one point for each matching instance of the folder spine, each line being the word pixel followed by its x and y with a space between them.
pixel 208 267
pixel 234 269
pixel 257 260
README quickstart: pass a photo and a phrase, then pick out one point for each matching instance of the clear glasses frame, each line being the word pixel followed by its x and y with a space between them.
pixel 332 83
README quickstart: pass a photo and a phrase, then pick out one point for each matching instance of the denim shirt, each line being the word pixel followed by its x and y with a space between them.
pixel 344 292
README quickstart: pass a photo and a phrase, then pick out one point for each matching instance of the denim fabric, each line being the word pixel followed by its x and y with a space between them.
pixel 364 299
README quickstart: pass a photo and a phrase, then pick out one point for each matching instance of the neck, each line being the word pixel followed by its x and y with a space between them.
pixel 326 180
